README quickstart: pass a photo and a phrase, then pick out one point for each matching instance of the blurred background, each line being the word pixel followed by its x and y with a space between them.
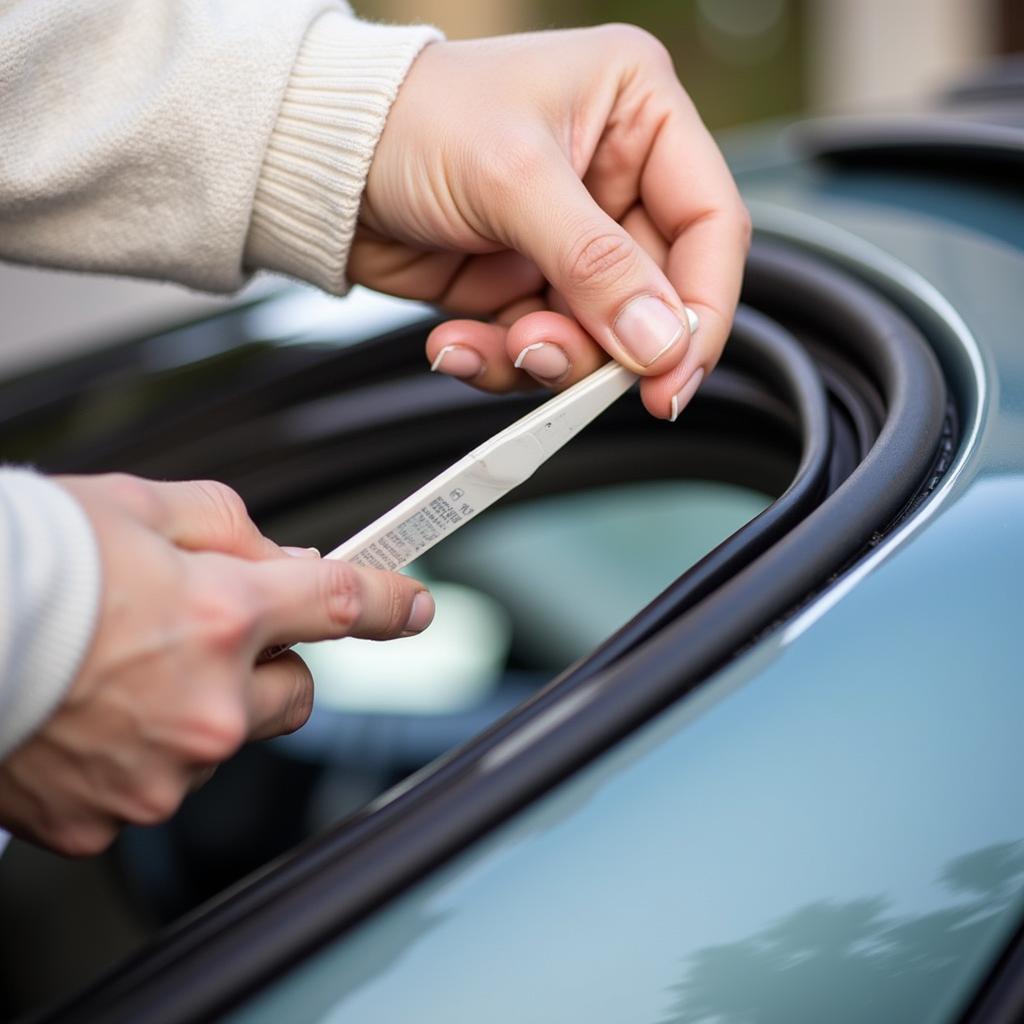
pixel 741 60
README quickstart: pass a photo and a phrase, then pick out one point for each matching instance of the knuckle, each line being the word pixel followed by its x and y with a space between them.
pixel 301 705
pixel 341 595
pixel 227 504
pixel 214 731
pixel 301 711
pixel 599 261
pixel 227 617
pixel 634 40
pixel 745 226
pixel 229 628
pixel 156 802
pixel 133 494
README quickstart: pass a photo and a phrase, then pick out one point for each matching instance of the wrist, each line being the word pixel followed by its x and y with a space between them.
pixel 345 79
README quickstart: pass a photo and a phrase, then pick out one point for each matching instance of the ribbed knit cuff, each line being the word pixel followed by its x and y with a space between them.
pixel 51 575
pixel 345 79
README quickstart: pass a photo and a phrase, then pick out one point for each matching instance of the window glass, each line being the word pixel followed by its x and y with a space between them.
pixel 543 582
pixel 521 592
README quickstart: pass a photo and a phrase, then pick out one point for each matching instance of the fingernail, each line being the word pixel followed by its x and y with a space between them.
pixel 682 397
pixel 458 361
pixel 646 328
pixel 544 360
pixel 301 552
pixel 421 614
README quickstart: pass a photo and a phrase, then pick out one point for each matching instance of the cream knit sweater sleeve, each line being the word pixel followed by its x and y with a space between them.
pixel 188 140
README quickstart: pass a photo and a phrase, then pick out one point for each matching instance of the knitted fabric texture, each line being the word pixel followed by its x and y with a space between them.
pixel 345 79
pixel 50 582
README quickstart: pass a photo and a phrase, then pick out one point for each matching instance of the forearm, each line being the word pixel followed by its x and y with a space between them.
pixel 135 135
pixel 50 585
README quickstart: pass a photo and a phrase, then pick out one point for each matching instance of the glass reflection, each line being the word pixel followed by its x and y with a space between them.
pixel 843 961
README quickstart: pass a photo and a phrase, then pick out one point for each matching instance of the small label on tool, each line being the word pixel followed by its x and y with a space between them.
pixel 400 545
pixel 434 513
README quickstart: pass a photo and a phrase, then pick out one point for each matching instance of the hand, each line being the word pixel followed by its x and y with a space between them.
pixel 563 183
pixel 192 592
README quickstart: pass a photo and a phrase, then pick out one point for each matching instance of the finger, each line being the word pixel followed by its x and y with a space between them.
pixel 280 697
pixel 397 269
pixel 490 282
pixel 508 315
pixel 200 515
pixel 617 163
pixel 205 515
pixel 668 395
pixel 299 600
pixel 557 352
pixel 642 228
pixel 475 353
pixel 553 349
pixel 615 290
pixel 301 552
pixel 689 195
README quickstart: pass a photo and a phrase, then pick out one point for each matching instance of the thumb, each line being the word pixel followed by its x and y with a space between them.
pixel 613 287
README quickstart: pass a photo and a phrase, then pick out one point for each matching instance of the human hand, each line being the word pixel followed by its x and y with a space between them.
pixel 192 593
pixel 563 183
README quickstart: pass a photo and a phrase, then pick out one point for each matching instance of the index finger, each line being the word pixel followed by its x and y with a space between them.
pixel 688 192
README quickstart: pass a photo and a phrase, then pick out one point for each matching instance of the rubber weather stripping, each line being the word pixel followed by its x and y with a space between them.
pixel 743 408
pixel 403 428
pixel 1002 82
pixel 230 950
pixel 773 350
pixel 1000 997
pixel 939 141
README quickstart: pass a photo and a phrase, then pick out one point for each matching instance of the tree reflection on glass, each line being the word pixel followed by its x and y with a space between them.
pixel 852 962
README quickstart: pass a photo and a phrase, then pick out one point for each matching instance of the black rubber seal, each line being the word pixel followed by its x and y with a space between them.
pixel 246 939
pixel 940 142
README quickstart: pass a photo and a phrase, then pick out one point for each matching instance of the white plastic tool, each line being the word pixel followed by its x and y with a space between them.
pixel 480 478
pixel 486 474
